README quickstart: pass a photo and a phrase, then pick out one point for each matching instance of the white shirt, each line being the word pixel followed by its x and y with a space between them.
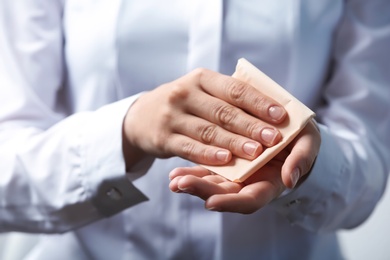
pixel 70 69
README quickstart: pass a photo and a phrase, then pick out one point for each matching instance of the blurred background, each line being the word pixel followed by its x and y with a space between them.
pixel 370 241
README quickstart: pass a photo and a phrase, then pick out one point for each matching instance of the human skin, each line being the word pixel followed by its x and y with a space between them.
pixel 207 117
pixel 283 171
pixel 204 117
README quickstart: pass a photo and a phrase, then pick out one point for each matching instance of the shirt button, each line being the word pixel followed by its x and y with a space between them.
pixel 114 194
pixel 293 202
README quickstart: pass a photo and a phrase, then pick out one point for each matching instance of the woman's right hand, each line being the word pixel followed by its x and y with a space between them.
pixel 204 117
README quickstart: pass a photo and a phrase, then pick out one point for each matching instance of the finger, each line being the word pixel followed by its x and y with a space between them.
pixel 203 188
pixel 197 152
pixel 211 134
pixel 302 156
pixel 243 202
pixel 260 189
pixel 173 184
pixel 239 203
pixel 242 95
pixel 216 179
pixel 197 171
pixel 232 119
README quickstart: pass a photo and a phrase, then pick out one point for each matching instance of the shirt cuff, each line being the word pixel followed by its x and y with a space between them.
pixel 311 199
pixel 103 166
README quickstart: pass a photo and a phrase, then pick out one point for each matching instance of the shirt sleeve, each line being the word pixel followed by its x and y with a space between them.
pixel 352 167
pixel 59 170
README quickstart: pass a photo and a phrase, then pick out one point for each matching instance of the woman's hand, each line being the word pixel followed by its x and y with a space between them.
pixel 204 117
pixel 268 183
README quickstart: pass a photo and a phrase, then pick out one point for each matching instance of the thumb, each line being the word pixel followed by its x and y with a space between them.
pixel 302 156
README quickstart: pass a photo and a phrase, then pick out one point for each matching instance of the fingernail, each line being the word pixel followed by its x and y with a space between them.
pixel 276 112
pixel 250 148
pixel 268 135
pixel 222 155
pixel 213 209
pixel 187 190
pixel 295 176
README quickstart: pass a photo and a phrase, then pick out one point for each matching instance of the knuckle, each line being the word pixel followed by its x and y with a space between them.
pixel 200 74
pixel 208 133
pixel 260 103
pixel 188 149
pixel 236 90
pixel 178 93
pixel 225 115
pixel 159 141
pixel 166 116
pixel 253 129
pixel 233 144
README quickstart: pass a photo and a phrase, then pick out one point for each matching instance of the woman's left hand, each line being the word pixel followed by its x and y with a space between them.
pixel 283 171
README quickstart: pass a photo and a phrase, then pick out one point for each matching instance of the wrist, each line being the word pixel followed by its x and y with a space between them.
pixel 131 154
